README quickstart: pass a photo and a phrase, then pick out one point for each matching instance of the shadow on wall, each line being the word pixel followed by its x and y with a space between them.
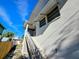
pixel 67 46
pixel 71 50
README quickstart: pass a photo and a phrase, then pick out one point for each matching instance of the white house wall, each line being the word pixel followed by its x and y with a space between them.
pixel 45 9
pixel 61 38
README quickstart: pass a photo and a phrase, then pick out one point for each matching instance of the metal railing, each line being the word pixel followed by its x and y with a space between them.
pixel 32 50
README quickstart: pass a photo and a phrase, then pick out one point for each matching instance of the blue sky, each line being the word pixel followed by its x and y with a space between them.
pixel 13 13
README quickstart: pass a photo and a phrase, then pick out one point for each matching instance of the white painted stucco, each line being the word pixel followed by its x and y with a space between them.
pixel 62 34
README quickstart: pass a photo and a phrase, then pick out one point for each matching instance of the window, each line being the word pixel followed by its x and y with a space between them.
pixel 42 22
pixel 53 14
pixel 32 31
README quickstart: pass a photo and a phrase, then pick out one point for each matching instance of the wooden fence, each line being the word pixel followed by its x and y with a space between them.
pixel 4 48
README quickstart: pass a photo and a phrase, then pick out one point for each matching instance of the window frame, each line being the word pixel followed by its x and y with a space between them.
pixel 42 22
pixel 53 14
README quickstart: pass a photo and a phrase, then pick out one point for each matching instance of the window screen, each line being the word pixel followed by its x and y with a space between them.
pixel 53 14
pixel 42 22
